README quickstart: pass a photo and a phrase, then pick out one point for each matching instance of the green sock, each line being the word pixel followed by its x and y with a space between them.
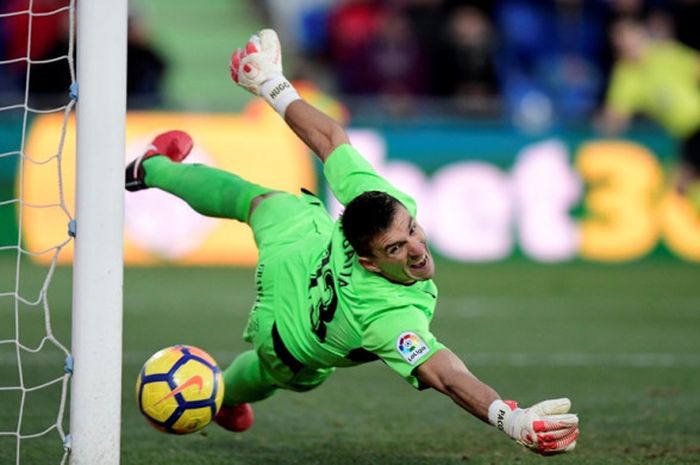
pixel 246 381
pixel 210 191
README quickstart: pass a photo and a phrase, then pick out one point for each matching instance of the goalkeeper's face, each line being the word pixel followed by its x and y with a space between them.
pixel 401 253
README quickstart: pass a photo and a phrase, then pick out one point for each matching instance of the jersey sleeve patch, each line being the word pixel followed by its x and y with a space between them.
pixel 411 347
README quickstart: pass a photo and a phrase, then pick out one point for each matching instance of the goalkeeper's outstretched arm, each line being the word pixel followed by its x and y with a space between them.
pixel 545 428
pixel 321 133
pixel 446 373
pixel 258 69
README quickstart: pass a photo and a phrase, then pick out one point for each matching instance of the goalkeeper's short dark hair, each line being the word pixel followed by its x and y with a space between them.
pixel 367 215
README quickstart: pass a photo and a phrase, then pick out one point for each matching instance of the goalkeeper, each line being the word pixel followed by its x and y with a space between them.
pixel 333 294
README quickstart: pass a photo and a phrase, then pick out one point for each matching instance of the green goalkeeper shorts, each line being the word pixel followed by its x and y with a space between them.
pixel 289 231
pixel 283 220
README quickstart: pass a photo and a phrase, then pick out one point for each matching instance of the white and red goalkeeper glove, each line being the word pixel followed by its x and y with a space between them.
pixel 545 428
pixel 258 69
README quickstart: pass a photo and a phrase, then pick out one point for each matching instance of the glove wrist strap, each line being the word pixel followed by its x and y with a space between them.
pixel 278 92
pixel 499 411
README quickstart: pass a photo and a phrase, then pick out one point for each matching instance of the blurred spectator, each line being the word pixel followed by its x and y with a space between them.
pixel 47 29
pixel 145 69
pixel 50 75
pixel 6 83
pixel 352 27
pixel 524 39
pixel 389 63
pixel 620 9
pixel 572 72
pixel 407 49
pixel 552 51
pixel 660 79
pixel 50 80
pixel 47 41
pixel 427 19
pixel 660 25
pixel 466 62
pixel 395 58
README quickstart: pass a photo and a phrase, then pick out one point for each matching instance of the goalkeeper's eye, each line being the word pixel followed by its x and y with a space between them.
pixel 412 227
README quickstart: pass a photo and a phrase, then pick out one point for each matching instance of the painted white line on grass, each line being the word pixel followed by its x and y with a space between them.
pixel 477 306
pixel 559 299
pixel 567 359
pixel 582 359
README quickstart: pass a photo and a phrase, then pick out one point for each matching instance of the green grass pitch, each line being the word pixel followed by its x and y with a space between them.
pixel 623 342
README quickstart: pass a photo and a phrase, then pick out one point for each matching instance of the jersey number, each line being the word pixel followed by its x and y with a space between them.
pixel 322 297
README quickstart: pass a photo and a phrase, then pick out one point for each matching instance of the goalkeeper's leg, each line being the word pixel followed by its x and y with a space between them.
pixel 210 191
pixel 245 381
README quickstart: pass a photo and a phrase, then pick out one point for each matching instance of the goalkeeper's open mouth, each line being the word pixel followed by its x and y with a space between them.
pixel 421 264
pixel 422 269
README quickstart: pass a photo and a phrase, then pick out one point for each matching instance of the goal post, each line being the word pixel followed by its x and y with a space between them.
pixel 95 408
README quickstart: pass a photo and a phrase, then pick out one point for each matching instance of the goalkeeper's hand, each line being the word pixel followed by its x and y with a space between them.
pixel 258 69
pixel 259 61
pixel 545 428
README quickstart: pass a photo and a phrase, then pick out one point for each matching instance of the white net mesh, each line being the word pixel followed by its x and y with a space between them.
pixel 35 366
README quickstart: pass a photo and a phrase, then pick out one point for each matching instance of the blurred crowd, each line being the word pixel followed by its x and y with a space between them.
pixel 533 59
pixel 48 49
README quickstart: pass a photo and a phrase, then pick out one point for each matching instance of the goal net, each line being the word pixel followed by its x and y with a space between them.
pixel 39 76
pixel 34 364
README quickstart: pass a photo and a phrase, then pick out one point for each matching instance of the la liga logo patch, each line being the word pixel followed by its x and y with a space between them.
pixel 411 347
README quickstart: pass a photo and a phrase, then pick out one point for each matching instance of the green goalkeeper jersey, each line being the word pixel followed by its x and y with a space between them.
pixel 331 311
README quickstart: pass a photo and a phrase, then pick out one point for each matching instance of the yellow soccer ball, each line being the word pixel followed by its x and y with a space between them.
pixel 180 389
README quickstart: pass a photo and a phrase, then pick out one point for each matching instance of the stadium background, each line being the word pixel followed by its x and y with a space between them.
pixel 618 334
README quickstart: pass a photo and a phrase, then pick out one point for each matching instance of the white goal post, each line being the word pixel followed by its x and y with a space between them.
pixel 95 407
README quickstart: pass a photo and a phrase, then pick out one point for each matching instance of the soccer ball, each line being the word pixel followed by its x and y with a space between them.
pixel 180 389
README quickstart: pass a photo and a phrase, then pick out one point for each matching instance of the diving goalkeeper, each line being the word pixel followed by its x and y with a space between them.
pixel 333 294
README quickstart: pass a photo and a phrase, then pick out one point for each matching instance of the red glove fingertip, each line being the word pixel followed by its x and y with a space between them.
pixel 236 58
pixel 235 63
